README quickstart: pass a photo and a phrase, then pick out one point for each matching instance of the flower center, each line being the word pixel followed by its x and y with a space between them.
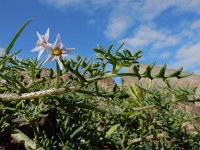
pixel 57 52
pixel 40 43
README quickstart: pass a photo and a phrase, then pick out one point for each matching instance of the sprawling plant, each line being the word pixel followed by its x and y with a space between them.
pixel 67 109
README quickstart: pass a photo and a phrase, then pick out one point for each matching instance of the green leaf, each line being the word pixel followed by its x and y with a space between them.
pixel 176 73
pixel 136 71
pixel 78 57
pixel 109 49
pixel 99 51
pixel 120 46
pixel 161 73
pixel 137 54
pixel 147 146
pixel 51 73
pixel 141 123
pixel 15 37
pixel 120 55
pixel 100 47
pixel 112 130
pixel 88 61
pixel 77 131
pixel 127 53
pixel 148 71
pixel 184 75
pixel 83 64
pixel 32 67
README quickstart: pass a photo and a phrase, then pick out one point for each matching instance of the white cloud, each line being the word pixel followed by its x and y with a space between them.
pixel 152 8
pixel 128 13
pixel 149 36
pixel 77 3
pixel 91 21
pixel 121 18
pixel 189 5
pixel 117 27
pixel 124 14
pixel 63 3
pixel 188 56
pixel 196 25
pixel 165 55
pixel 101 2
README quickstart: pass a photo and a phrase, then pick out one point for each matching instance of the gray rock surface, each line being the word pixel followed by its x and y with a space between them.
pixel 107 84
pixel 192 81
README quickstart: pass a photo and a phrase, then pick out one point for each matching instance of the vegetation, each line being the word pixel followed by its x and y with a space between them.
pixel 52 113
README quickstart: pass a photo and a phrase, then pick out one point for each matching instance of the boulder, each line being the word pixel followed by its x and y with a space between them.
pixel 107 84
pixel 192 81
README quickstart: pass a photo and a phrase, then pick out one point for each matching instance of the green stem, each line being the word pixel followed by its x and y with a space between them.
pixel 150 137
pixel 143 108
pixel 91 107
pixel 111 75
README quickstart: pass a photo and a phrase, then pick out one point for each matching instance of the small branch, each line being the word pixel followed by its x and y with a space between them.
pixel 142 108
pixel 150 137
pixel 193 100
pixel 110 75
pixel 32 95
pixel 91 107
pixel 50 92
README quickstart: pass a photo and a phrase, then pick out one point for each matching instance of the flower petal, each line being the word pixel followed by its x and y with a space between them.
pixel 40 53
pixel 48 46
pixel 60 64
pixel 37 48
pixel 49 58
pixel 58 42
pixel 67 50
pixel 39 36
pixel 46 36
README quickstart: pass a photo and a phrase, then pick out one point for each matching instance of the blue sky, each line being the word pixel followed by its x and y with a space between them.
pixel 166 30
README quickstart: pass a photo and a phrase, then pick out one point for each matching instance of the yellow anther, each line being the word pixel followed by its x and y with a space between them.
pixel 57 52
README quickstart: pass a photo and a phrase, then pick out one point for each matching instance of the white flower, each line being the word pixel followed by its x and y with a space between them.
pixel 42 39
pixel 56 50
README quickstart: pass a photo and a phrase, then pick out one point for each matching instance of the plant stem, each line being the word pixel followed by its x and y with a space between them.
pixel 150 137
pixel 32 95
pixel 91 107
pixel 44 93
pixel 142 108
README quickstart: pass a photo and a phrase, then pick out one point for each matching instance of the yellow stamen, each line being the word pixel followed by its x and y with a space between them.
pixel 57 52
pixel 40 43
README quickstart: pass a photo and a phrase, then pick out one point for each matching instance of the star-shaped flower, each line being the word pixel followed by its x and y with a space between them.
pixel 56 50
pixel 42 39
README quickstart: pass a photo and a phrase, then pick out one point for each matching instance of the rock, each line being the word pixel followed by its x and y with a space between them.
pixel 192 81
pixel 44 73
pixel 107 84
pixel 192 110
